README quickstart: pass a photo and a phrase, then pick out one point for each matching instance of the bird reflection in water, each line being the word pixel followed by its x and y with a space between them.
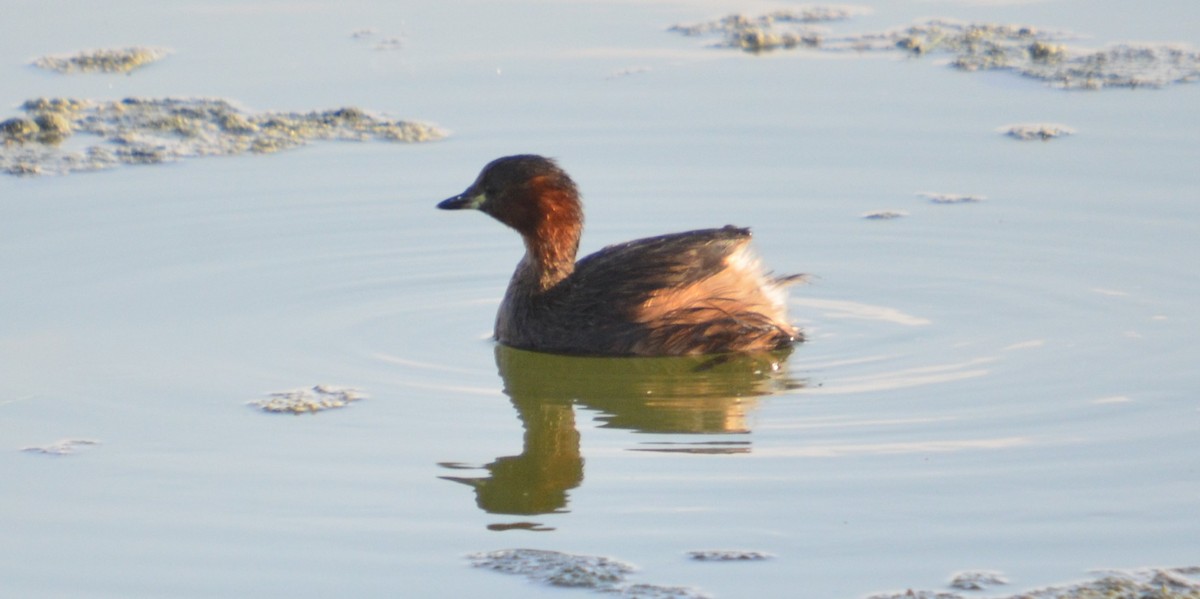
pixel 695 395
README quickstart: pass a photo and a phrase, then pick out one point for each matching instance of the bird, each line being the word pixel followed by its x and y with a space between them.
pixel 690 293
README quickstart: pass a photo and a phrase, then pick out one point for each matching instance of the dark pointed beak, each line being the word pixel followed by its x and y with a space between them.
pixel 463 201
pixel 457 202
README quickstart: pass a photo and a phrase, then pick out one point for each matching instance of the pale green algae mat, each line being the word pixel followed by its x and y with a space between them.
pixel 105 60
pixel 307 401
pixel 62 135
pixel 610 576
pixel 153 130
pixel 1145 583
pixel 1023 49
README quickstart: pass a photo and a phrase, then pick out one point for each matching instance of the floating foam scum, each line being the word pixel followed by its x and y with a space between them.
pixel 1024 50
pixel 802 14
pixel 759 34
pixel 592 572
pixel 65 135
pixel 554 568
pixel 308 401
pixel 1036 131
pixel 105 60
pixel 1142 583
pixel 950 198
pixel 725 555
pixel 884 214
pixel 60 447
pixel 977 580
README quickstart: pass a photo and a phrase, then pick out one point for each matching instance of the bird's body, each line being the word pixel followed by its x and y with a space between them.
pixel 696 292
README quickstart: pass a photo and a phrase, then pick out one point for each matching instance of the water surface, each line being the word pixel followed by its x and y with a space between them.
pixel 1005 385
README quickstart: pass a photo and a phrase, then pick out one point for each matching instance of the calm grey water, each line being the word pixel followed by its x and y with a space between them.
pixel 1006 385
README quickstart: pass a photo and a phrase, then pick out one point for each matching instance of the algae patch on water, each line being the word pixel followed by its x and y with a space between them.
pixel 1144 583
pixel 884 214
pixel 729 555
pixel 1021 49
pixel 601 574
pixel 105 134
pixel 977 580
pixel 786 28
pixel 951 198
pixel 308 401
pixel 105 60
pixel 60 447
pixel 1036 131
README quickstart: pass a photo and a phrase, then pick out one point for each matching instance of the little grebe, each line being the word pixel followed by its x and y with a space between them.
pixel 697 292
